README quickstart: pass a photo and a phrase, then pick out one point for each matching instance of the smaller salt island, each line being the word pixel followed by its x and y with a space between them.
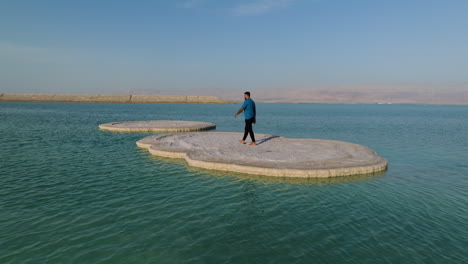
pixel 273 156
pixel 158 126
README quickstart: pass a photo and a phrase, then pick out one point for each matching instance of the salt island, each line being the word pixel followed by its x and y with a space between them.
pixel 157 126
pixel 273 156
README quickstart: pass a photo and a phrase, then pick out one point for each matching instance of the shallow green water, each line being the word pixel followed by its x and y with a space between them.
pixel 70 193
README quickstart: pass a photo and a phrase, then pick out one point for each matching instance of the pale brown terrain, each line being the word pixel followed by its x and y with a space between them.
pixel 349 94
pixel 346 94
pixel 106 98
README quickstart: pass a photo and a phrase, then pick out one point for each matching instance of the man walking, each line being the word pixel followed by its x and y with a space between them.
pixel 250 117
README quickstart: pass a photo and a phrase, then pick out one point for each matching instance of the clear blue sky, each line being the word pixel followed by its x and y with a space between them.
pixel 113 46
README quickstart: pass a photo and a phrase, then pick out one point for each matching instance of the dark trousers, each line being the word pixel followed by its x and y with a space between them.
pixel 248 129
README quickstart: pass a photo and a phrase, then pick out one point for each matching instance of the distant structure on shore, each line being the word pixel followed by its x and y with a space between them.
pixel 102 98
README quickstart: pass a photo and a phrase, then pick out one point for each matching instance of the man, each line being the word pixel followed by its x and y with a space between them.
pixel 250 117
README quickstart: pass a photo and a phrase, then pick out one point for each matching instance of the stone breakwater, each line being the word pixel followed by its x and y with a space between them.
pixel 103 98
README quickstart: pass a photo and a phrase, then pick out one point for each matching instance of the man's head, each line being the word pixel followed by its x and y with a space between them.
pixel 246 95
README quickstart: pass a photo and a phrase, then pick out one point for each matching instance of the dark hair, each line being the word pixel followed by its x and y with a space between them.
pixel 247 93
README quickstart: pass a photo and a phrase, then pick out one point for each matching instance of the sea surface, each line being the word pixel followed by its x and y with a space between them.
pixel 70 193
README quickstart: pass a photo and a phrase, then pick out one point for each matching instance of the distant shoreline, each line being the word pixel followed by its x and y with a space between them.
pixel 358 103
pixel 103 98
pixel 348 103
pixel 171 99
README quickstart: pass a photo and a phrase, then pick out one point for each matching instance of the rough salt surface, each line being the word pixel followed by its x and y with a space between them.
pixel 157 126
pixel 273 156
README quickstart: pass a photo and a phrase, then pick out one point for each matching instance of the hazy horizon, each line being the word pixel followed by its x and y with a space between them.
pixel 284 50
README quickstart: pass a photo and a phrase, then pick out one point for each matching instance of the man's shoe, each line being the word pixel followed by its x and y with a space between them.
pixel 253 144
pixel 242 141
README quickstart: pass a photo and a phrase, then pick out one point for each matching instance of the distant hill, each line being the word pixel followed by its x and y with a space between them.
pixel 346 94
pixel 369 94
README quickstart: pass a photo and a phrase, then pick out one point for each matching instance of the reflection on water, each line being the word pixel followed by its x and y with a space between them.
pixel 264 179
pixel 292 180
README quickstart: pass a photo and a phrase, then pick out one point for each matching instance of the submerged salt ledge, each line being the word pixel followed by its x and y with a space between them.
pixel 157 126
pixel 273 156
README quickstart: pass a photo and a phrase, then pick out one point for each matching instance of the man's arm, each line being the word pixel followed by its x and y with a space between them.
pixel 238 112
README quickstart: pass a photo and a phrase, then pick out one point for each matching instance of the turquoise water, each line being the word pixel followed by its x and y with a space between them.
pixel 70 193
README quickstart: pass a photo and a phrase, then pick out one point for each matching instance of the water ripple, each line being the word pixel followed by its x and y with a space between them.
pixel 70 193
